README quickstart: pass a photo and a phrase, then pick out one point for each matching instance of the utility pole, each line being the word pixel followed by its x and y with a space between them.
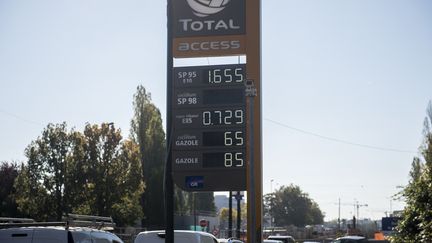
pixel 357 205
pixel 339 215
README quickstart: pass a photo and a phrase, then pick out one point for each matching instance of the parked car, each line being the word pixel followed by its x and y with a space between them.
pixel 56 234
pixel 272 241
pixel 234 240
pixel 28 231
pixel 351 239
pixel 230 240
pixel 283 238
pixel 180 236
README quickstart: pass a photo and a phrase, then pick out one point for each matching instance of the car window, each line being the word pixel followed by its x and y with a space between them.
pixel 207 239
pixel 102 241
pixel 353 241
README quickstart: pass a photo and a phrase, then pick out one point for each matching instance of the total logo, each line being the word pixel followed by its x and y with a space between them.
pixel 204 8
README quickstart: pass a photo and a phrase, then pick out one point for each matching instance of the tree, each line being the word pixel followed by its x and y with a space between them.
pixel 224 215
pixel 289 205
pixel 114 183
pixel 31 196
pixel 147 132
pixel 224 212
pixel 8 173
pixel 45 176
pixel 94 172
pixel 181 199
pixel 204 202
pixel 416 222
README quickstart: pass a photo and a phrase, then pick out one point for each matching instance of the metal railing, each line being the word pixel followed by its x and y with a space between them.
pixel 69 220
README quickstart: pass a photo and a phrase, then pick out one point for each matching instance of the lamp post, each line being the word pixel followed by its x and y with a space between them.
pixel 271 195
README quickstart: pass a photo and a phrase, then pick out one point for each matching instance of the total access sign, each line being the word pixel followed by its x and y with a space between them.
pixel 203 28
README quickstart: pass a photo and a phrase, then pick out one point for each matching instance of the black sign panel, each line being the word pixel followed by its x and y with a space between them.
pixel 199 139
pixel 211 180
pixel 208 17
pixel 210 117
pixel 210 76
pixel 390 223
pixel 209 127
pixel 191 98
pixel 207 160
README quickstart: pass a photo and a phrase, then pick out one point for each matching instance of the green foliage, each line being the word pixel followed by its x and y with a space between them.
pixel 224 212
pixel 8 173
pixel 88 173
pixel 416 223
pixel 289 205
pixel 46 174
pixel 204 202
pixel 181 198
pixel 147 131
pixel 224 215
pixel 114 181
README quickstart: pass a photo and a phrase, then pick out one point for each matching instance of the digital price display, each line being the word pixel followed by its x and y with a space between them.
pixel 224 160
pixel 210 76
pixel 207 118
pixel 209 127
pixel 196 139
pixel 208 159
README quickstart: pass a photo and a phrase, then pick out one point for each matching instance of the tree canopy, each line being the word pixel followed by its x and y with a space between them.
pixel 147 131
pixel 289 205
pixel 416 222
pixel 94 172
pixel 8 173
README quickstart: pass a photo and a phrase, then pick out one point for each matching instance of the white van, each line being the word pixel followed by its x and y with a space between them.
pixel 56 234
pixel 14 230
pixel 283 238
pixel 180 236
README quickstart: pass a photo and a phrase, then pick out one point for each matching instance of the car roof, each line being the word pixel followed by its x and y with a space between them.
pixel 178 231
pixel 351 237
pixel 57 228
pixel 280 237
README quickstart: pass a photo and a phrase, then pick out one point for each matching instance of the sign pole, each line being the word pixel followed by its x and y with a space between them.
pixel 168 180
pixel 253 67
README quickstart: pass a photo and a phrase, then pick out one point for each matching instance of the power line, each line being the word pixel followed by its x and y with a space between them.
pixel 341 140
pixel 21 118
pixel 277 123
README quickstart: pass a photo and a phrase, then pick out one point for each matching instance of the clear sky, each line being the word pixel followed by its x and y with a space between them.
pixel 336 75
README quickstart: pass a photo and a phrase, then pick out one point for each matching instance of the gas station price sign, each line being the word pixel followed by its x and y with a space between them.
pixel 209 127
pixel 218 75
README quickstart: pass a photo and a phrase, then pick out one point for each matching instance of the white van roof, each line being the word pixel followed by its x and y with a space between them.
pixel 180 236
pixel 54 234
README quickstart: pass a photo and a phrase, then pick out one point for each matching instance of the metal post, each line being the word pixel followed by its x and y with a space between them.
pixel 194 210
pixel 230 215
pixel 271 197
pixel 238 215
pixel 253 236
pixel 253 68
pixel 339 215
pixel 168 181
